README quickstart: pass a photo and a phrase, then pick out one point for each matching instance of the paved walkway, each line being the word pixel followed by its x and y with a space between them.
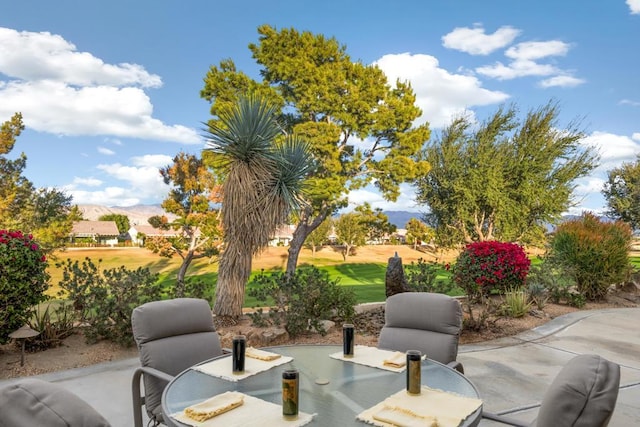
pixel 511 374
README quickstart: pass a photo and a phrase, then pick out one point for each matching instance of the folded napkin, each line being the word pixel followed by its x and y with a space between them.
pixel 214 406
pixel 221 367
pixel 254 412
pixel 374 357
pixel 256 353
pixel 397 360
pixel 430 408
pixel 403 418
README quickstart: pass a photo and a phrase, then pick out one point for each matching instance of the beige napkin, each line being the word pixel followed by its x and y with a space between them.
pixel 397 360
pixel 221 368
pixel 446 409
pixel 214 406
pixel 372 356
pixel 254 412
pixel 256 353
pixel 402 418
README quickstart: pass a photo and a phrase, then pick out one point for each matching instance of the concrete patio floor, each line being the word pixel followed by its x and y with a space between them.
pixel 511 374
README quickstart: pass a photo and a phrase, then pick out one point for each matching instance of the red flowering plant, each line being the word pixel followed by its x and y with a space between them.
pixel 23 279
pixel 487 266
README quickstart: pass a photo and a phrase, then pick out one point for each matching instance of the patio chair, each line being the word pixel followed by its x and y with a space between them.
pixel 583 394
pixel 423 321
pixel 171 336
pixel 34 402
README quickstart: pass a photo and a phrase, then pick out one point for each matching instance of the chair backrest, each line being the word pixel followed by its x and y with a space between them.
pixel 422 321
pixel 583 394
pixel 33 402
pixel 172 335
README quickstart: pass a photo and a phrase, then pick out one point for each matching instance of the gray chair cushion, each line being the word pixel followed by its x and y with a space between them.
pixel 33 402
pixel 583 394
pixel 422 321
pixel 172 335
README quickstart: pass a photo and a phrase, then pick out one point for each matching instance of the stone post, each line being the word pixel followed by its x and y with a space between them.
pixel 395 282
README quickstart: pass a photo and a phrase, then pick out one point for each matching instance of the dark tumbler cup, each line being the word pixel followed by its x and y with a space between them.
pixel 348 339
pixel 239 346
pixel 414 371
pixel 290 393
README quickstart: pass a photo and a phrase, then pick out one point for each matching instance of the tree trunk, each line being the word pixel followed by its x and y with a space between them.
pixel 345 253
pixel 233 273
pixel 299 236
pixel 186 261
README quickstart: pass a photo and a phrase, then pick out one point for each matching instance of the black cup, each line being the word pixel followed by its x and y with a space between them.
pixel 239 346
pixel 414 371
pixel 348 339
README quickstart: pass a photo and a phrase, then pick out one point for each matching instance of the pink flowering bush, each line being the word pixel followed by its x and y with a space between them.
pixel 23 279
pixel 487 266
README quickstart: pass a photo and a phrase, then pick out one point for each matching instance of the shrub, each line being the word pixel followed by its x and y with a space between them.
pixel 54 325
pixel 595 252
pixel 553 281
pixel 422 277
pixel 23 279
pixel 105 299
pixel 516 303
pixel 484 267
pixel 302 301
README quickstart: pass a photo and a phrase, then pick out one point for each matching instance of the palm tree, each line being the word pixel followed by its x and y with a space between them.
pixel 263 181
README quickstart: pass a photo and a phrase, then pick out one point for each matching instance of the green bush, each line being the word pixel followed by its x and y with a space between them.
pixel 595 252
pixel 53 324
pixel 23 280
pixel 550 280
pixel 302 301
pixel 516 303
pixel 486 267
pixel 422 277
pixel 105 299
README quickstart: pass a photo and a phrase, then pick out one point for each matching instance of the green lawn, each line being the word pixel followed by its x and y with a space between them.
pixel 366 277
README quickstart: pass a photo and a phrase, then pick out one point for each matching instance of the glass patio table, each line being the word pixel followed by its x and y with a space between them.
pixel 351 387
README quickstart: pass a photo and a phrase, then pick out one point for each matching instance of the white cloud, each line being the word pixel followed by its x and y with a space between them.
pixel 44 56
pixel 62 91
pixel 106 151
pixel 636 136
pixel 614 149
pixel 515 69
pixel 89 182
pixel 140 183
pixel 406 200
pixel 634 6
pixel 96 110
pixel 524 62
pixel 537 50
pixel 475 42
pixel 629 102
pixel 441 95
pixel 561 81
pixel 152 160
pixel 110 196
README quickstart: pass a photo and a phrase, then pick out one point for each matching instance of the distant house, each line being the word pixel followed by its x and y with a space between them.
pixel 139 232
pixel 96 232
pixel 282 236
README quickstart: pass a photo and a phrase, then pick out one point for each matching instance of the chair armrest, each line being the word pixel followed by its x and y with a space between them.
pixel 457 366
pixel 138 399
pixel 503 419
pixel 154 372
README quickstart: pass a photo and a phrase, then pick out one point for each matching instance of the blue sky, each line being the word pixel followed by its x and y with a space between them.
pixel 109 91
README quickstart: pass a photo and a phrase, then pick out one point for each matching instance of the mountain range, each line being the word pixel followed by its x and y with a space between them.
pixel 139 214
